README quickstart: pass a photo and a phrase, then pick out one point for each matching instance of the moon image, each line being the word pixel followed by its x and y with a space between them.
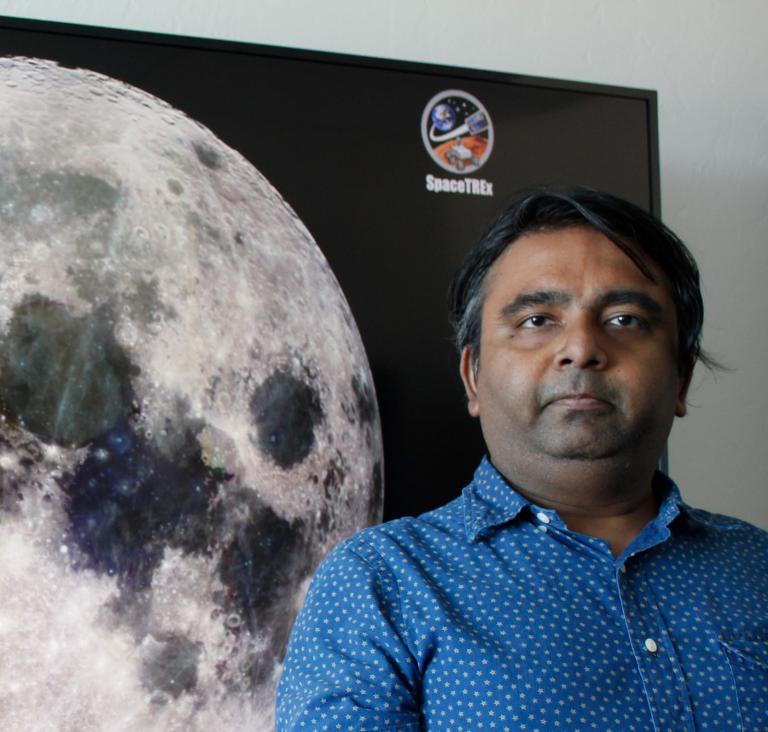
pixel 187 417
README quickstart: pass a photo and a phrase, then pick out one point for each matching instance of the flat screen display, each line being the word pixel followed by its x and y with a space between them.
pixel 395 168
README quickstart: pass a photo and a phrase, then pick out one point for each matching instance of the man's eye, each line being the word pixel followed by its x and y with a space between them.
pixel 535 321
pixel 626 321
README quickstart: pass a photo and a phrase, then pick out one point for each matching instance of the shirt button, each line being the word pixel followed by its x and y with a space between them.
pixel 623 569
pixel 543 517
pixel 542 528
pixel 650 645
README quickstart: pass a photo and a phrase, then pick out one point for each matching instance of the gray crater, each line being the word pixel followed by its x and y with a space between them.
pixel 286 411
pixel 171 665
pixel 63 378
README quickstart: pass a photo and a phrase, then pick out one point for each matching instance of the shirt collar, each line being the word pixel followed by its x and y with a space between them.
pixel 673 505
pixel 490 501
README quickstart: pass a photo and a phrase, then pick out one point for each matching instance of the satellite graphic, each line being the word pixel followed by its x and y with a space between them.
pixel 457 131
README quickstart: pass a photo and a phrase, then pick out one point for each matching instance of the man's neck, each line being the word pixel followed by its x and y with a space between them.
pixel 596 498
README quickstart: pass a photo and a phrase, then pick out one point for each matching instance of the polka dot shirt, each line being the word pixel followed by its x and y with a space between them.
pixel 490 614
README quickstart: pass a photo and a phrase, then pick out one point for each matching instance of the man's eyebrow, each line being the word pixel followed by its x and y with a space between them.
pixel 537 298
pixel 630 297
pixel 625 296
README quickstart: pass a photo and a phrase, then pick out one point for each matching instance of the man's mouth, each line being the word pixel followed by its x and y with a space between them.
pixel 579 397
pixel 581 400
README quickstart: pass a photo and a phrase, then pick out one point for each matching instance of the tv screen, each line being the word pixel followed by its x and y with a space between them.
pixel 356 148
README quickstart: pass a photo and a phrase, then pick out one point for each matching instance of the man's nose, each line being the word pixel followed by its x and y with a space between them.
pixel 581 346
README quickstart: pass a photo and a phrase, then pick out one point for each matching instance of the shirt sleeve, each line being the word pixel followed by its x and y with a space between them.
pixel 348 666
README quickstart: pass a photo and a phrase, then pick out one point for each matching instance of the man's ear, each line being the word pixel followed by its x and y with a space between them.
pixel 681 408
pixel 469 378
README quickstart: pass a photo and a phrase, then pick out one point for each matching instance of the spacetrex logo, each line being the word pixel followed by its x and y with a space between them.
pixel 458 135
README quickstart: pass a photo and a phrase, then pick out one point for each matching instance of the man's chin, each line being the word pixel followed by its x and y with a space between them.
pixel 603 445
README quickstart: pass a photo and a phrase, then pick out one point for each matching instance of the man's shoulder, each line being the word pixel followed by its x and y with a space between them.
pixel 407 536
pixel 728 526
pixel 447 519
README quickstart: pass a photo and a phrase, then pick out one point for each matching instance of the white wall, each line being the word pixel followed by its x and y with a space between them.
pixel 706 58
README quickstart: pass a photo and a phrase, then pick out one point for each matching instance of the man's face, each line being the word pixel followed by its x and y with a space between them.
pixel 578 354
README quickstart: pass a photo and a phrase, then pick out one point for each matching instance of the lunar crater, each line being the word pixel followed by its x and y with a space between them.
pixel 207 155
pixel 286 410
pixel 86 375
pixel 169 665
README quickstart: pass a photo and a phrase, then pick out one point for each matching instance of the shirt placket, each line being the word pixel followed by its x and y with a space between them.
pixel 657 662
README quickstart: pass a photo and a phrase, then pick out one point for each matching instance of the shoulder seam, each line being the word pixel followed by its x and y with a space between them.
pixel 403 627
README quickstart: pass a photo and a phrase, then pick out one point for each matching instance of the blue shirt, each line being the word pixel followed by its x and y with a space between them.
pixel 490 614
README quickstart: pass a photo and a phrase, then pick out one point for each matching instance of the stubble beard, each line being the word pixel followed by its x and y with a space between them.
pixel 601 433
pixel 580 435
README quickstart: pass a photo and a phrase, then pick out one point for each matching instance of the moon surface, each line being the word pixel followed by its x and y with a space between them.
pixel 187 418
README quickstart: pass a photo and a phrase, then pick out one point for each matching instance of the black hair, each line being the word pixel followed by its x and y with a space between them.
pixel 638 234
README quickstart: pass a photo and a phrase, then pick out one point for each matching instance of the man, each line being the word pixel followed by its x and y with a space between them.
pixel 569 587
